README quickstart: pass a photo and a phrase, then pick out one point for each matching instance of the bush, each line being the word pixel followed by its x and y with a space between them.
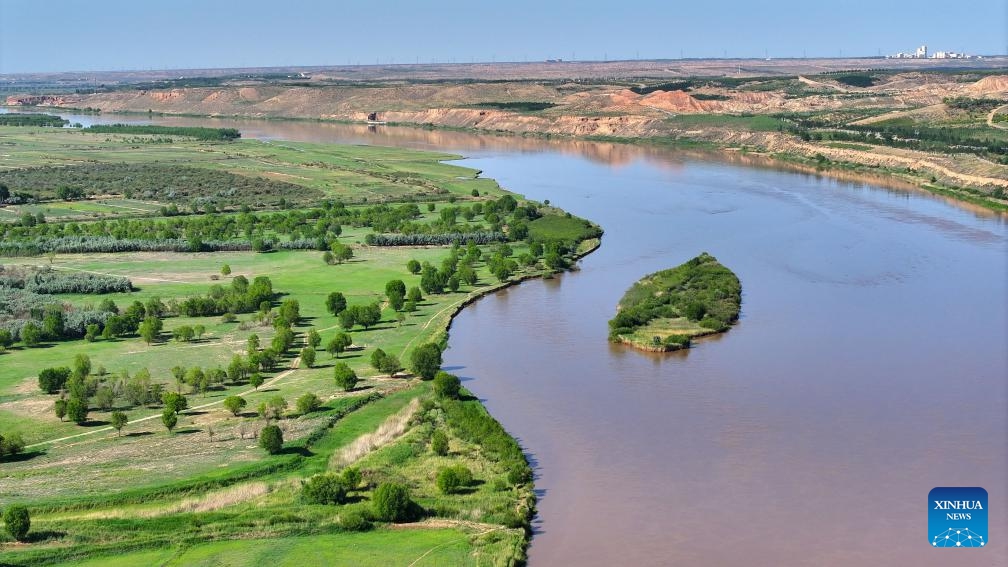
pixel 451 480
pixel 447 385
pixel 439 443
pixel 271 439
pixel 425 360
pixel 308 403
pixel 18 521
pixel 235 404
pixel 52 380
pixel 392 503
pixel 325 488
pixel 345 376
pixel 354 521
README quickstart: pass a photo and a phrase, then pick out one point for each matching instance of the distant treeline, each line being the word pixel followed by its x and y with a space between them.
pixel 18 119
pixel 167 183
pixel 518 106
pixel 198 132
pixel 973 104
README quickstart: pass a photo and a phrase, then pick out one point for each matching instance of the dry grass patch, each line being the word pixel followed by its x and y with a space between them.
pixel 387 432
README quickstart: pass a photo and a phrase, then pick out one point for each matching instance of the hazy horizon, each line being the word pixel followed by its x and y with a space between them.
pixel 113 35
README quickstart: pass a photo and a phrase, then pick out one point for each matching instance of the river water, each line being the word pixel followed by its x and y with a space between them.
pixel 869 365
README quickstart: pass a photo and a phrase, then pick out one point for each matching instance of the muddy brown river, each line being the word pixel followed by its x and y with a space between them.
pixel 869 365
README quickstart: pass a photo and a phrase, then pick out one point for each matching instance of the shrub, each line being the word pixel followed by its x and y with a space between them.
pixel 325 488
pixel 425 360
pixel 308 403
pixel 271 439
pixel 439 443
pixel 52 380
pixel 18 521
pixel 451 480
pixel 345 376
pixel 392 503
pixel 235 404
pixel 447 385
pixel 354 521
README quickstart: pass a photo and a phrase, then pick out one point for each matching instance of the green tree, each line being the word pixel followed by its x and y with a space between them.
pixel 447 385
pixel 368 315
pixel 18 521
pixel 390 365
pixel 414 295
pixel 119 420
pixel 31 334
pixel 439 443
pixel 313 338
pixel 392 503
pixel 77 410
pixel 345 377
pixel 174 401
pixel 308 356
pixel 6 339
pixel 351 477
pixel 336 303
pixel 150 329
pixel 395 287
pixel 198 331
pixel 341 252
pixel 338 344
pixel 82 365
pixel 413 266
pixel 60 408
pixel 276 406
pixel 235 404
pixel 271 439
pixel 169 419
pixel 225 270
pixel 256 380
pixel 252 344
pixel 52 380
pixel 425 360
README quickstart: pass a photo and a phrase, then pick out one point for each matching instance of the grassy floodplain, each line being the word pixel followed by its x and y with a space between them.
pixel 665 310
pixel 206 492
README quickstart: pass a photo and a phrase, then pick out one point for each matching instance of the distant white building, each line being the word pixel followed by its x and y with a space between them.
pixel 922 53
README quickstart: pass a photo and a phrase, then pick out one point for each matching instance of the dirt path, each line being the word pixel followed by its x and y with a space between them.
pixel 990 118
pixel 294 366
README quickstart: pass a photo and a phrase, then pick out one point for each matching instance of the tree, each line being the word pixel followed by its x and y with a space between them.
pixel 235 404
pixel 194 377
pixel 198 330
pixel 253 343
pixel 169 419
pixel 82 365
pixel 425 360
pixel 368 315
pixel 183 334
pixel 308 356
pixel 31 334
pixel 338 344
pixel 414 295
pixel 150 329
pixel 236 369
pixel 18 521
pixel 392 503
pixel 6 339
pixel 119 420
pixel 390 365
pixel 336 303
pixel 396 301
pixel 439 443
pixel 326 488
pixel 451 480
pixel 328 258
pixel 345 377
pixel 308 403
pixel 256 380
pixel 271 439
pixel 348 318
pixel 52 380
pixel 104 397
pixel 447 385
pixel 413 266
pixel 60 408
pixel 395 287
pixel 276 406
pixel 377 357
pixel 174 401
pixel 77 410
pixel 313 338
pixel 225 270
pixel 351 477
pixel 341 252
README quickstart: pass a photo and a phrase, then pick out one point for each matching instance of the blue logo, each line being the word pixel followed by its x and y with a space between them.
pixel 957 516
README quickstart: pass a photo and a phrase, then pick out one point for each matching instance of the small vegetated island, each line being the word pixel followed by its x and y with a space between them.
pixel 665 310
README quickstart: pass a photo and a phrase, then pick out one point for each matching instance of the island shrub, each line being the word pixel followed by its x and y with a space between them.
pixel 327 488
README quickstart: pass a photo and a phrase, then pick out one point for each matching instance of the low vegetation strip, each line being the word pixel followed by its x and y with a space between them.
pixel 200 133
pixel 663 311
pixel 19 119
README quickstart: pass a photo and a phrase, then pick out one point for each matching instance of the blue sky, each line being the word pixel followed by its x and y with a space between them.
pixel 141 34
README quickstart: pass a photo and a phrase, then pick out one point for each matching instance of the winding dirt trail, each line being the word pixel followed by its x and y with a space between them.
pixel 990 118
